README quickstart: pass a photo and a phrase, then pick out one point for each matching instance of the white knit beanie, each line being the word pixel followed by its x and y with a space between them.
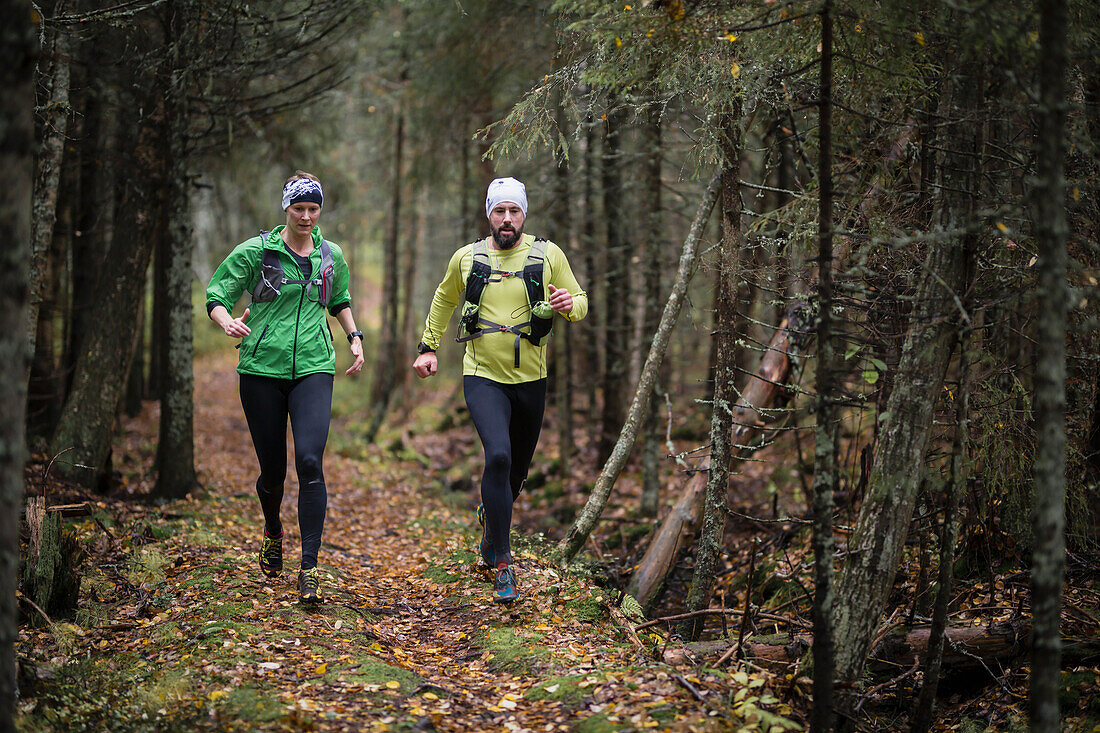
pixel 506 189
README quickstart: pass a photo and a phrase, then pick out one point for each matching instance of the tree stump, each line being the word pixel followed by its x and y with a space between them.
pixel 50 570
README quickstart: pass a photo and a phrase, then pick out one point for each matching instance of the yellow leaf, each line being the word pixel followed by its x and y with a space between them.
pixel 920 37
pixel 676 10
pixel 859 28
pixel 1002 227
pixel 215 694
pixel 1033 37
pixel 1076 194
pixel 618 41
pixel 393 685
pixel 730 37
pixel 627 7
pixel 322 669
pixel 649 33
pixel 735 70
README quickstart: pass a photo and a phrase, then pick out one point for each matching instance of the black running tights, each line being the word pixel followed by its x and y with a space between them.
pixel 508 418
pixel 307 401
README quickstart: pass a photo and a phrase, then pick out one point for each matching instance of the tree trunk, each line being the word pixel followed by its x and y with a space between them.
pixel 616 284
pixel 48 163
pixel 1048 556
pixel 652 296
pixel 175 460
pixel 589 329
pixel 87 423
pixel 825 465
pixel 956 484
pixel 708 548
pixel 19 40
pixel 875 546
pixel 384 373
pixel 592 510
pixel 562 234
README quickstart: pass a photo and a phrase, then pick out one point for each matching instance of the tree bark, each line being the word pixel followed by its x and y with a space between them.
pixel 652 291
pixel 875 546
pixel 709 547
pixel 616 284
pixel 384 373
pixel 563 367
pixel 175 460
pixel 590 514
pixel 1048 556
pixel 933 658
pixel 19 40
pixel 48 163
pixel 825 466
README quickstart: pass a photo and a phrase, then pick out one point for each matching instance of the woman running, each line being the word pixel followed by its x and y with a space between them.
pixel 287 360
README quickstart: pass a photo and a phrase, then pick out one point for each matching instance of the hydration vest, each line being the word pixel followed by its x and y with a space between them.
pixel 472 324
pixel 272 277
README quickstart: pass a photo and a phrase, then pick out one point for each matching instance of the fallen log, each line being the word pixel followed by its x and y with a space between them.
pixel 965 647
pixel 768 382
pixel 678 527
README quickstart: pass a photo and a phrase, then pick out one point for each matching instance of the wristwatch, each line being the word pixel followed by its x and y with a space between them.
pixel 423 348
pixel 353 334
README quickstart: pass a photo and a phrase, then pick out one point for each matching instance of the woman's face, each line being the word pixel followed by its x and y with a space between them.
pixel 302 217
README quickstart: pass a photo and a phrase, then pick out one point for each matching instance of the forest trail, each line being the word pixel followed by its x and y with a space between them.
pixel 407 638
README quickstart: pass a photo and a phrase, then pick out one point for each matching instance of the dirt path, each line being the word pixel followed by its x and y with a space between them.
pixel 406 640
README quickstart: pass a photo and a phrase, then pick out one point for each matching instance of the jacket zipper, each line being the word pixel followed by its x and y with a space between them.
pixel 297 322
pixel 261 338
pixel 326 344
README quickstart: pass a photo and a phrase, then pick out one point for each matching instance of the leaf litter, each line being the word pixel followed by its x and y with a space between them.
pixel 177 629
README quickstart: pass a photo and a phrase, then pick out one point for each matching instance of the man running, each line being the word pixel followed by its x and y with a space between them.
pixel 510 284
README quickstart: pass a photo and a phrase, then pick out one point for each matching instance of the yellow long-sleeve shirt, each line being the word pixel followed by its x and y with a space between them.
pixel 493 355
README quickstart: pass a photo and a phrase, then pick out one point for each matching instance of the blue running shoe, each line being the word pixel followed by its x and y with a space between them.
pixel 504 587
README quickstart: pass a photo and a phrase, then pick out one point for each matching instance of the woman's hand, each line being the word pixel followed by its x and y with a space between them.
pixel 233 327
pixel 357 352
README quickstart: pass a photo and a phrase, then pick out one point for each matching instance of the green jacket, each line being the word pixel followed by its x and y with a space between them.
pixel 290 335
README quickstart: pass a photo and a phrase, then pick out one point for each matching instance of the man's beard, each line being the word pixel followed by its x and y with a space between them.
pixel 507 239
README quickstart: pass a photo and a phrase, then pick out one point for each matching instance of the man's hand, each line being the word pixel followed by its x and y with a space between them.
pixel 560 299
pixel 426 365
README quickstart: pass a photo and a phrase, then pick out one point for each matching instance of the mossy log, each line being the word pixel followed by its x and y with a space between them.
pixel 50 570
pixel 966 647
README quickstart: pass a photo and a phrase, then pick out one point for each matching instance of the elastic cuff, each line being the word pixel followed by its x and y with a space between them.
pixel 212 304
pixel 336 309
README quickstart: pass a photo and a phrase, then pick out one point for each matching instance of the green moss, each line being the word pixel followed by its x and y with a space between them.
pixel 439 574
pixel 247 703
pixel 371 671
pixel 515 652
pixel 585 609
pixel 565 690
pixel 599 723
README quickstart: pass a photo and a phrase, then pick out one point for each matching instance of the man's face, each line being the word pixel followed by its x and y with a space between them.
pixel 506 223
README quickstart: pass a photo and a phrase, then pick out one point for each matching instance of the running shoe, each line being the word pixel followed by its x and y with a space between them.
pixel 504 587
pixel 487 554
pixel 308 583
pixel 271 555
